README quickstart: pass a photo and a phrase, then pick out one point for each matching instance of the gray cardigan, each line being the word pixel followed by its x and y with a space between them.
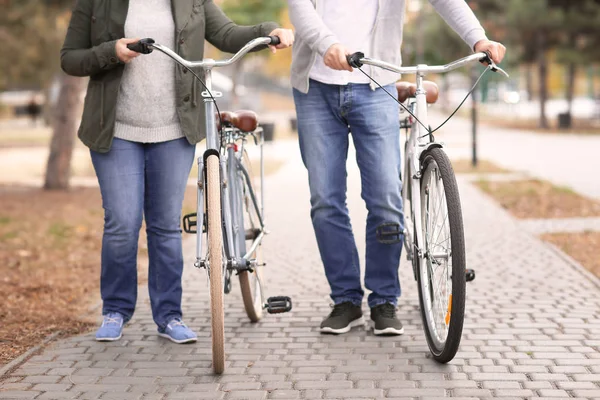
pixel 312 36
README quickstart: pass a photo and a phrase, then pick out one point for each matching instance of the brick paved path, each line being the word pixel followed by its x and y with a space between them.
pixel 532 328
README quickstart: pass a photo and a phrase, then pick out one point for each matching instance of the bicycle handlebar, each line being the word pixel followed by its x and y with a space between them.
pixel 358 59
pixel 147 45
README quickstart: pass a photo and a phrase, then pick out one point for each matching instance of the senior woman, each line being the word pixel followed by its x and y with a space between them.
pixel 141 120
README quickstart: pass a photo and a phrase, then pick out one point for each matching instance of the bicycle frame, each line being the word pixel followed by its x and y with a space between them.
pixel 215 145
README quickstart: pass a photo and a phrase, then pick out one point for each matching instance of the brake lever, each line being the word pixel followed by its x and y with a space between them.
pixel 492 65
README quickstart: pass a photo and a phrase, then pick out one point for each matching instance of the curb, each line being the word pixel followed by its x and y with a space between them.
pixel 557 251
pixel 573 263
pixel 14 364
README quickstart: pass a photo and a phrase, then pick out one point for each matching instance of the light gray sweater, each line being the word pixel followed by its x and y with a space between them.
pixel 146 102
pixel 312 36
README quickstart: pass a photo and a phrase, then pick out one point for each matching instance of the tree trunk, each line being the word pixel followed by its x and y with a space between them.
pixel 529 81
pixel 543 67
pixel 445 93
pixel 571 72
pixel 66 116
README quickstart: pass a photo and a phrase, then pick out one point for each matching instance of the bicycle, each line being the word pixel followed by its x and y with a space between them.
pixel 435 247
pixel 233 224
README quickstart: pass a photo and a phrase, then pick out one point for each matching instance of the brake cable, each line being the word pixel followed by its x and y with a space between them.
pixel 429 130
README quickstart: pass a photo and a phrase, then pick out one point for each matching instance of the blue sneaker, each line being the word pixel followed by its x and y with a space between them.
pixel 176 331
pixel 111 328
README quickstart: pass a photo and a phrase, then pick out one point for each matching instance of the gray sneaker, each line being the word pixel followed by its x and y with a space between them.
pixel 342 318
pixel 385 321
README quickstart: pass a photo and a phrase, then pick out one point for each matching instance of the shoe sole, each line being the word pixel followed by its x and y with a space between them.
pixel 388 331
pixel 109 339
pixel 356 322
pixel 182 341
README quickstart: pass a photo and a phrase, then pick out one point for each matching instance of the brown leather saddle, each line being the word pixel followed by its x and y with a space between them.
pixel 409 89
pixel 244 120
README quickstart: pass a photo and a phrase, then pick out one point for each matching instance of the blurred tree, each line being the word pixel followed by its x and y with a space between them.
pixel 66 117
pixel 31 35
pixel 534 27
pixel 32 32
pixel 578 46
pixel 250 12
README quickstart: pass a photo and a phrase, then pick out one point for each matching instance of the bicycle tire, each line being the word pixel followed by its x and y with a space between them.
pixel 436 161
pixel 249 281
pixel 215 256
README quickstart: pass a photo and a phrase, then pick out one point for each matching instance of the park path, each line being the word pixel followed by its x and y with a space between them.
pixel 532 326
pixel 570 160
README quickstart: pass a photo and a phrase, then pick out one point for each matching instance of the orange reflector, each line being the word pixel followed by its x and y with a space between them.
pixel 449 310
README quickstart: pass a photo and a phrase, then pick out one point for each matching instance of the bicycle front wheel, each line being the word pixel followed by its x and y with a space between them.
pixel 441 274
pixel 215 257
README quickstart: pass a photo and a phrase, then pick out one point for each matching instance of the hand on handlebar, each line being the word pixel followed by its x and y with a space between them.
pixel 495 50
pixel 123 53
pixel 286 39
pixel 335 58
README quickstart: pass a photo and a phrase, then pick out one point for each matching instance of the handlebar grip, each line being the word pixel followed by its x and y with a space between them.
pixel 274 40
pixel 487 58
pixel 143 46
pixel 354 59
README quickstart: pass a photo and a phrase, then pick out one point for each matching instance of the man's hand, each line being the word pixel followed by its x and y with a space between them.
pixel 286 38
pixel 123 53
pixel 495 49
pixel 335 58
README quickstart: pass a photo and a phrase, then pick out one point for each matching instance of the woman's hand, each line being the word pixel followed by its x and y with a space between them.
pixel 123 53
pixel 286 38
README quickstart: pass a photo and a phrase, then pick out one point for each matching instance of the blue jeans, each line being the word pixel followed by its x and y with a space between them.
pixel 146 179
pixel 327 115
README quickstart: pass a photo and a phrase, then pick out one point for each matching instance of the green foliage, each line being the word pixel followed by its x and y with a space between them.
pixel 252 12
pixel 579 43
pixel 31 35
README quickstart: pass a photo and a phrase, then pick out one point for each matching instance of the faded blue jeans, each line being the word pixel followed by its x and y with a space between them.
pixel 143 179
pixel 327 116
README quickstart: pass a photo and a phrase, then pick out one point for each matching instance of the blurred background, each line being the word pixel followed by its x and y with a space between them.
pixel 530 141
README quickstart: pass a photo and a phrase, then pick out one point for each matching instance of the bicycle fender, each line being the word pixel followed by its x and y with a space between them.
pixel 429 146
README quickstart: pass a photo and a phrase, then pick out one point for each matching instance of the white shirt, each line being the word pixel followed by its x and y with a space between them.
pixel 352 22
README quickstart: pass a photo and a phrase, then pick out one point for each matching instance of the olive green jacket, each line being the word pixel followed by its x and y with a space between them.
pixel 89 50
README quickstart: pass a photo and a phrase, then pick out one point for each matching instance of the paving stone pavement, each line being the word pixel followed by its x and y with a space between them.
pixel 532 327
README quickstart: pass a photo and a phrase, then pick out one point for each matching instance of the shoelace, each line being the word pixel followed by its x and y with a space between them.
pixel 387 310
pixel 177 322
pixel 340 309
pixel 111 320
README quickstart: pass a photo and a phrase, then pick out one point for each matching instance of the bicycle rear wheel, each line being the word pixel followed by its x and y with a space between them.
pixel 215 257
pixel 249 227
pixel 441 275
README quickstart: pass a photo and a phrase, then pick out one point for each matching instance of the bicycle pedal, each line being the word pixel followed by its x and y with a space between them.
pixel 190 223
pixel 469 274
pixel 252 234
pixel 279 304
